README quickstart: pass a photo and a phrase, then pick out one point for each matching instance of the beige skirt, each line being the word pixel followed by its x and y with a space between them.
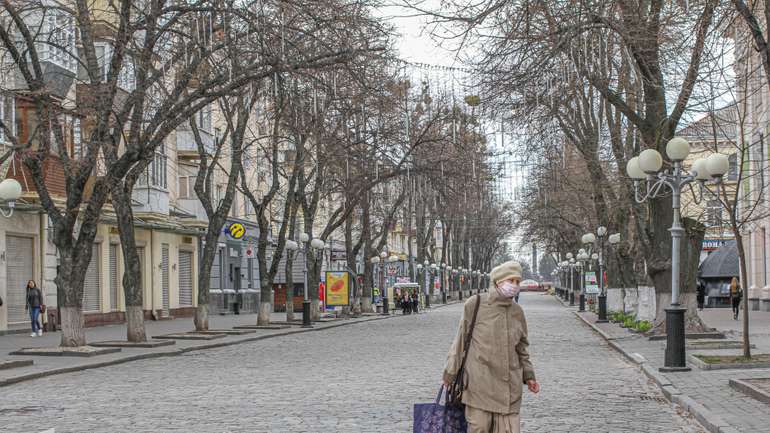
pixel 481 421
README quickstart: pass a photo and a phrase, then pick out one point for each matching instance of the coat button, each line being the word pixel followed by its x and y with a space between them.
pixel 507 378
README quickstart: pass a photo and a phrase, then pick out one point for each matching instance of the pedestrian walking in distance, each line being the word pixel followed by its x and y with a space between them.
pixel 415 302
pixel 497 364
pixel 407 305
pixel 736 293
pixel 34 301
pixel 700 294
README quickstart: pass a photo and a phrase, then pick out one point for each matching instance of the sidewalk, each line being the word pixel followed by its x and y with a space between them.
pixel 707 395
pixel 50 365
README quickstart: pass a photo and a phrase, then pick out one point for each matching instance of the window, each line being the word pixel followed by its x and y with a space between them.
pixel 234 211
pixel 77 143
pixel 203 119
pixel 247 210
pixel 714 213
pixel 7 115
pixel 219 195
pixel 732 172
pixel 126 77
pixel 158 168
pixel 59 41
pixel 186 186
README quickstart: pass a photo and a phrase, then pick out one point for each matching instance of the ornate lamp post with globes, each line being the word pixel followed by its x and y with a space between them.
pixel 442 273
pixel 582 261
pixel 647 167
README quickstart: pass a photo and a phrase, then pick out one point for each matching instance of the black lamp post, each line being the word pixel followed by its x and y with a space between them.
pixel 571 264
pixel 442 273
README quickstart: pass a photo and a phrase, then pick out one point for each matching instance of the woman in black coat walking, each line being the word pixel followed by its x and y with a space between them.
pixel 34 301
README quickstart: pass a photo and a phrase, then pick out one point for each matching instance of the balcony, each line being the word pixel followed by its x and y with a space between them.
pixel 186 146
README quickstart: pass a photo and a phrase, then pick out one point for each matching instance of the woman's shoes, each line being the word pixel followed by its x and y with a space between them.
pixel 39 332
pixel 33 334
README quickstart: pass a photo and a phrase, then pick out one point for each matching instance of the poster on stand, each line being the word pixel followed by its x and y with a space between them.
pixel 591 283
pixel 337 288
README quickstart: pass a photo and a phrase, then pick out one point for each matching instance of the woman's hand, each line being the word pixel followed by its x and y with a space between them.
pixel 533 386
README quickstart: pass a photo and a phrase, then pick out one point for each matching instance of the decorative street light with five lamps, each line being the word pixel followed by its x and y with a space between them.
pixel 647 167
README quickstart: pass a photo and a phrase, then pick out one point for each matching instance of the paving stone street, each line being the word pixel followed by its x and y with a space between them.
pixel 359 378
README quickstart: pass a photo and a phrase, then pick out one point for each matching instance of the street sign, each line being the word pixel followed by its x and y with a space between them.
pixel 236 230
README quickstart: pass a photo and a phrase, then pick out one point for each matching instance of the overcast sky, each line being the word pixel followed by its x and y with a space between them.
pixel 414 44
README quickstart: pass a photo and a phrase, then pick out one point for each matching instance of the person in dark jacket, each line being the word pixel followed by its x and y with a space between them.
pixel 736 293
pixel 34 301
pixel 415 302
pixel 700 294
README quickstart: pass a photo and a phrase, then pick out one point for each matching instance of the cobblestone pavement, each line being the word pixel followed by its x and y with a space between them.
pixel 359 378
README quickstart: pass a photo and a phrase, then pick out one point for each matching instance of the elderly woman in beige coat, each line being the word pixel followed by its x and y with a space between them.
pixel 498 362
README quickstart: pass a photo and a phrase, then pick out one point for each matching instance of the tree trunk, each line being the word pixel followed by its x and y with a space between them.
pixel 289 283
pixel 201 319
pixel 73 329
pixel 132 288
pixel 689 255
pixel 744 279
pixel 265 301
pixel 74 261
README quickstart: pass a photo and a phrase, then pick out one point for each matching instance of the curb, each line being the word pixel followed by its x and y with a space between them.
pixel 749 389
pixel 175 352
pixel 711 422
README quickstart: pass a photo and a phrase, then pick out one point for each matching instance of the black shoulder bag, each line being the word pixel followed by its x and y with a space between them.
pixel 455 392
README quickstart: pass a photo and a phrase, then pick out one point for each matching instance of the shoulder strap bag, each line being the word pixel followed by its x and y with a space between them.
pixel 454 394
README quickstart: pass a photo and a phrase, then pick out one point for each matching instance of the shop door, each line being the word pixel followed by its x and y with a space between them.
pixel 114 282
pixel 185 279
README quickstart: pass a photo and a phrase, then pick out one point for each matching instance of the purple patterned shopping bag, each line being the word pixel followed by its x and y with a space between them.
pixel 437 418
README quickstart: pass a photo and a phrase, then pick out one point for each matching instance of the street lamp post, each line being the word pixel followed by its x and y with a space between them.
pixel 375 260
pixel 588 240
pixel 449 282
pixel 601 233
pixel 304 238
pixel 442 273
pixel 292 247
pixel 431 284
pixel 647 166
pixel 386 301
pixel 383 290
pixel 571 264
pixel 420 277
pixel 455 283
pixel 564 279
pixel 582 259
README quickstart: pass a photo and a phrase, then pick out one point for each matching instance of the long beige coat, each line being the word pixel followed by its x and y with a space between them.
pixel 498 359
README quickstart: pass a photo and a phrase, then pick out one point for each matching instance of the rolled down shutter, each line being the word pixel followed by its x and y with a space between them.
pixel 114 290
pixel 164 275
pixel 91 288
pixel 185 279
pixel 19 264
pixel 140 253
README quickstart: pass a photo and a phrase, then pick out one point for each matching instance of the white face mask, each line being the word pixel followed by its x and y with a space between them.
pixel 508 289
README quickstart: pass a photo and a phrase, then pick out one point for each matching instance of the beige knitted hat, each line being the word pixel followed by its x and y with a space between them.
pixel 507 270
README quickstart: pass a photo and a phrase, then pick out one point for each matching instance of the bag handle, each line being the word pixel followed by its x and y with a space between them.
pixel 440 390
pixel 454 394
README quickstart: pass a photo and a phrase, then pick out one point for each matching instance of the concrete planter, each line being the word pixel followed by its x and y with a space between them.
pixel 731 366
